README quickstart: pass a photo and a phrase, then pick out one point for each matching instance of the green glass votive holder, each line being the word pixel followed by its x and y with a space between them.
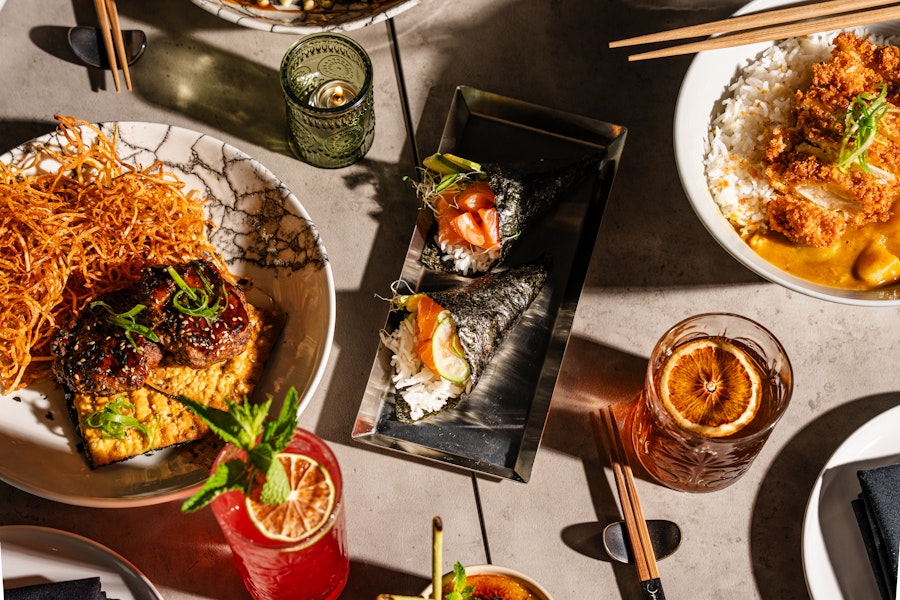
pixel 327 84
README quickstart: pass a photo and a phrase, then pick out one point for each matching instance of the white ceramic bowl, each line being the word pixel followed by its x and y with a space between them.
pixel 705 83
pixel 294 20
pixel 533 586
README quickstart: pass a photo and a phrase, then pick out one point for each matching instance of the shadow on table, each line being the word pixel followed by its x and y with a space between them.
pixel 14 133
pixel 176 551
pixel 182 74
pixel 777 523
pixel 367 581
pixel 595 375
pixel 362 311
pixel 225 91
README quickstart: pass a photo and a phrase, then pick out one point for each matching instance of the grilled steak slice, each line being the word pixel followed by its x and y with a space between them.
pixel 195 340
pixel 97 356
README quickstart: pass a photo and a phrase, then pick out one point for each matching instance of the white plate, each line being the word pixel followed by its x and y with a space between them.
pixel 265 234
pixel 33 555
pixel 834 557
pixel 704 85
pixel 291 19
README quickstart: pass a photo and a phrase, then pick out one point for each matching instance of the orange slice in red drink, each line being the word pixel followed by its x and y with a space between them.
pixel 711 387
pixel 306 511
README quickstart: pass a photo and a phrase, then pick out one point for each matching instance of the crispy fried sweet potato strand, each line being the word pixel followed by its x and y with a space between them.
pixel 86 228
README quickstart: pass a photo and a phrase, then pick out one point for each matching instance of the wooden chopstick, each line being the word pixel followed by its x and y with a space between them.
pixel 119 42
pixel 108 17
pixel 635 524
pixel 103 18
pixel 778 32
pixel 753 21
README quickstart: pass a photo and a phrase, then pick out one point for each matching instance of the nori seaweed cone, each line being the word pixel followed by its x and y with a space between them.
pixel 484 312
pixel 525 192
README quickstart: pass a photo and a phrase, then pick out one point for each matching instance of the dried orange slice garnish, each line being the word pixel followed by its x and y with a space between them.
pixel 711 387
pixel 308 507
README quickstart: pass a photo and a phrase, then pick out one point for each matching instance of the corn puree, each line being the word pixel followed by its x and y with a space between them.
pixel 232 379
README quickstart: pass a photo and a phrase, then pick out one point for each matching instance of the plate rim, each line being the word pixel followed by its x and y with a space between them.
pixel 73 539
pixel 225 10
pixel 177 493
pixel 853 448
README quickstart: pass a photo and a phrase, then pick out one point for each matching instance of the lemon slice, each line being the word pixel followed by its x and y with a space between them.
pixel 306 511
pixel 711 387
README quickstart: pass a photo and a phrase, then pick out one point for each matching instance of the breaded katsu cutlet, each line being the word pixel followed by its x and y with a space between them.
pixel 817 198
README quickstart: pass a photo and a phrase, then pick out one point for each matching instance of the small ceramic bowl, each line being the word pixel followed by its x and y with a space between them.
pixel 536 589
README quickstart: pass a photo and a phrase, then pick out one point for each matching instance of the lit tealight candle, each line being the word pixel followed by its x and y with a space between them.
pixel 333 94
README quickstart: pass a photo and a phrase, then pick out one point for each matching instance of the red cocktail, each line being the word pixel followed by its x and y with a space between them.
pixel 314 564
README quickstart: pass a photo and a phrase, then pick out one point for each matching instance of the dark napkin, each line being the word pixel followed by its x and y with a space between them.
pixel 878 513
pixel 78 589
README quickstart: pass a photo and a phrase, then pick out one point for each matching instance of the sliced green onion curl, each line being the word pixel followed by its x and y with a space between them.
pixel 126 321
pixel 195 302
pixel 116 418
pixel 861 120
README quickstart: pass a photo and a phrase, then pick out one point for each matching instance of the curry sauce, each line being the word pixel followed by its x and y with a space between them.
pixel 864 258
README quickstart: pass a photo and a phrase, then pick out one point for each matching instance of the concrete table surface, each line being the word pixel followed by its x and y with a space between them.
pixel 653 265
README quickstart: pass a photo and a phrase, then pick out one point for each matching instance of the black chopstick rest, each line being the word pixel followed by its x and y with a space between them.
pixel 652 589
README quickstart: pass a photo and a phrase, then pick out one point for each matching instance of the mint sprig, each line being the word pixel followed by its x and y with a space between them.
pixel 461 591
pixel 245 426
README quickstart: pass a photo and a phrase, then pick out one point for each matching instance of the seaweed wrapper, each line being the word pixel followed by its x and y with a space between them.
pixel 524 193
pixel 484 312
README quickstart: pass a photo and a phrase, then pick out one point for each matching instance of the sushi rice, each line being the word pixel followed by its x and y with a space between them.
pixel 465 259
pixel 424 391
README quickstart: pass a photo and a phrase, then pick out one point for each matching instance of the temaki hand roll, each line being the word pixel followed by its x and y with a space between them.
pixel 481 210
pixel 448 338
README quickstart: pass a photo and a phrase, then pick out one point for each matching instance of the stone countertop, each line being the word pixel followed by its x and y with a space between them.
pixel 653 264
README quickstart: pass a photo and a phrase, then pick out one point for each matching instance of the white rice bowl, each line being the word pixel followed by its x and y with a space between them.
pixel 707 93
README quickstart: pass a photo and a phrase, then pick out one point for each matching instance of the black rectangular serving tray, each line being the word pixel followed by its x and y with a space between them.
pixel 498 429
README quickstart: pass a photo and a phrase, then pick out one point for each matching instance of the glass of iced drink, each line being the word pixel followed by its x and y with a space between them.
pixel 295 550
pixel 716 385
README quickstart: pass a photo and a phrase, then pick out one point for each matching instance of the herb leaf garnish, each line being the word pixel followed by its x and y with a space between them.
pixel 245 426
pixel 461 591
pixel 861 120
pixel 126 321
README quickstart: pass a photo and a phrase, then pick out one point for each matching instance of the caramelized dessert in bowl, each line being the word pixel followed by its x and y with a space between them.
pixel 492 582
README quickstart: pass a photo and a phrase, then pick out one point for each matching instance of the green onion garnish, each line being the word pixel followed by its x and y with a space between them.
pixel 861 121
pixel 126 321
pixel 115 419
pixel 195 302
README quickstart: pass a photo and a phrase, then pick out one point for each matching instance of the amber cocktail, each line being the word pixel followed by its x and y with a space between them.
pixel 715 387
